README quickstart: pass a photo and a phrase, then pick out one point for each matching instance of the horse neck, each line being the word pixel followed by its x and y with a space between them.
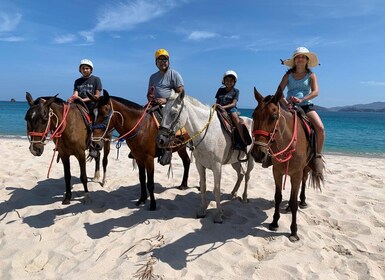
pixel 285 128
pixel 124 117
pixel 198 116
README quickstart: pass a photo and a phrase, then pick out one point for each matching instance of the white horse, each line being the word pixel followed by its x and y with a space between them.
pixel 212 145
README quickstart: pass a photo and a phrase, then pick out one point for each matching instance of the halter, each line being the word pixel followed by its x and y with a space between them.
pixel 287 153
pixel 104 125
pixel 169 132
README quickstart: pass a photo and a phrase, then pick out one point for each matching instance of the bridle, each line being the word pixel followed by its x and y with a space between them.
pixel 285 154
pixel 168 133
pixel 48 131
pixel 105 125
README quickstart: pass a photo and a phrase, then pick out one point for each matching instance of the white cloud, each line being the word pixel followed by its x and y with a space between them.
pixel 64 39
pixel 12 39
pixel 9 22
pixel 373 83
pixel 201 35
pixel 88 36
pixel 128 14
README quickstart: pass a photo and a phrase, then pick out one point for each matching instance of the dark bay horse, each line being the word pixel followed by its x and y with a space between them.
pixel 52 117
pixel 139 129
pixel 278 132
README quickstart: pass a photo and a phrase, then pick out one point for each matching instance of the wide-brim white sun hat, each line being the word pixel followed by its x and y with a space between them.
pixel 312 62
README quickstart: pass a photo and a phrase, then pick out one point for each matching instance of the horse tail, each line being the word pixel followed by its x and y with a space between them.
pixel 317 179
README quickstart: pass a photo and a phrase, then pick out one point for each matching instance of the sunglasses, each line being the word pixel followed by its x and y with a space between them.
pixel 164 60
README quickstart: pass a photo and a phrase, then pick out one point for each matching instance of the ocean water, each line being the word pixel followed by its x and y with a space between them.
pixel 355 133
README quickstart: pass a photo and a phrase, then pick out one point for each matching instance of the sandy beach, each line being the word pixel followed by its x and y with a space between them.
pixel 342 232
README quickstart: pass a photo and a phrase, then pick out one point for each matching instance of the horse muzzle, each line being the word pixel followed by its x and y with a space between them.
pixel 36 149
pixel 164 138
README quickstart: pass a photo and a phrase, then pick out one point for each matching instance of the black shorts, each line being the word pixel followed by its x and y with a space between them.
pixel 308 108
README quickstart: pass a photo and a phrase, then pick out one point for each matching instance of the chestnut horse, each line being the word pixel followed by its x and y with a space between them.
pixel 278 133
pixel 139 129
pixel 63 122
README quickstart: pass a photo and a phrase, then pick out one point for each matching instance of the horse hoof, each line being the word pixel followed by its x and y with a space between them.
pixel 273 227
pixel 153 207
pixel 66 201
pixel 293 238
pixel 140 202
pixel 303 205
pixel 218 220
pixel 183 187
pixel 201 214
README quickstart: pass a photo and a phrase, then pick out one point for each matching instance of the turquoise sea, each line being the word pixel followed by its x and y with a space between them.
pixel 354 133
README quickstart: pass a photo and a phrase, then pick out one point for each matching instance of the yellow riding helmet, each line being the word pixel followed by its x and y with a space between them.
pixel 161 52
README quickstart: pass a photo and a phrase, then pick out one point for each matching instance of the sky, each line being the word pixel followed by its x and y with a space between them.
pixel 42 43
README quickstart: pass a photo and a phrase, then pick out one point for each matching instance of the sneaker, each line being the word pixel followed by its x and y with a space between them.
pixel 165 158
pixel 318 164
pixel 268 162
pixel 92 152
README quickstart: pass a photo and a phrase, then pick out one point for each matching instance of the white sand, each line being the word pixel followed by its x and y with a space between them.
pixel 342 232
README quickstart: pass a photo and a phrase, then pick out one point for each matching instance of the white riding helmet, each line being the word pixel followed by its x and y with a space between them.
pixel 86 62
pixel 229 73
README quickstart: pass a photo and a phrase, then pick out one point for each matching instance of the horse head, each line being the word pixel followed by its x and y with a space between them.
pixel 173 119
pixel 265 119
pixel 37 118
pixel 103 113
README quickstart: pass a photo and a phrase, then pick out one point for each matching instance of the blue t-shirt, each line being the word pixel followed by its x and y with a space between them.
pixel 165 82
pixel 226 97
pixel 299 88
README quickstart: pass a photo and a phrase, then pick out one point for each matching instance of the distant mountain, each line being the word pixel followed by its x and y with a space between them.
pixel 371 107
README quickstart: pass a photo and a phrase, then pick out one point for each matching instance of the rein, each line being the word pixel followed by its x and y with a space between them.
pixel 199 132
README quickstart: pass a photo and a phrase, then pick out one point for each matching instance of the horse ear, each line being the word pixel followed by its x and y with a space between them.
pixel 29 98
pixel 279 94
pixel 257 95
pixel 182 94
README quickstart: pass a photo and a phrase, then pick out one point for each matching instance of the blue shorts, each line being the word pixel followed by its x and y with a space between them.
pixel 232 110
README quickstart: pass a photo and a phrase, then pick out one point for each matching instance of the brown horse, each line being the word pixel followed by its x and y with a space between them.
pixel 51 116
pixel 278 133
pixel 139 129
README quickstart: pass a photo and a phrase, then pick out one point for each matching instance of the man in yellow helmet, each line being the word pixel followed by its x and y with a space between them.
pixel 162 82
pixel 160 87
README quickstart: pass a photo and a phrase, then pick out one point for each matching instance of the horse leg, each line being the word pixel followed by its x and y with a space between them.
pixel 295 180
pixel 106 152
pixel 277 198
pixel 150 183
pixel 67 178
pixel 83 175
pixel 302 196
pixel 97 167
pixel 237 167
pixel 142 180
pixel 186 165
pixel 250 166
pixel 217 170
pixel 202 187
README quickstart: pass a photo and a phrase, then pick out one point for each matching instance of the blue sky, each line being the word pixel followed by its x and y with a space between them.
pixel 42 42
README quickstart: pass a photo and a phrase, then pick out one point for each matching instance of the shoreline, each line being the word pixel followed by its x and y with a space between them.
pixel 359 155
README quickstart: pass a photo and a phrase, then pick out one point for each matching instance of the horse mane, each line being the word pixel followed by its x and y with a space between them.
pixel 57 99
pixel 127 103
pixel 196 102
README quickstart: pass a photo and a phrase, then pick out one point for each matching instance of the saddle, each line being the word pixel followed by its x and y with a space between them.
pixel 229 127
pixel 308 128
pixel 85 113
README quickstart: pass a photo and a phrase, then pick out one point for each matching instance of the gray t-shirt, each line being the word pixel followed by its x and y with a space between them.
pixel 164 83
